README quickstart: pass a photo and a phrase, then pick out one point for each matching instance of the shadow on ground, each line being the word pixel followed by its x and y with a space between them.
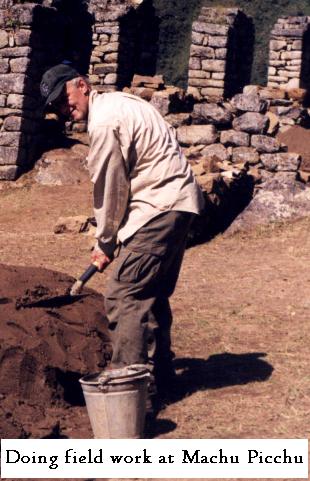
pixel 218 371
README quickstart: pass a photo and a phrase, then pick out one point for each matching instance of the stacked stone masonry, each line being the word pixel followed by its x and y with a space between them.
pixel 289 53
pixel 124 42
pixel 34 36
pixel 219 56
pixel 26 41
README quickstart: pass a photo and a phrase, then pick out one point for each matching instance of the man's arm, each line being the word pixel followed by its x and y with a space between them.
pixel 109 174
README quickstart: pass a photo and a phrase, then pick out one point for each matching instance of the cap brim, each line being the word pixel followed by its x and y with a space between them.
pixel 55 93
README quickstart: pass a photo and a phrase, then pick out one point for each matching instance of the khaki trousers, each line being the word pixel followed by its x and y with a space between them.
pixel 143 277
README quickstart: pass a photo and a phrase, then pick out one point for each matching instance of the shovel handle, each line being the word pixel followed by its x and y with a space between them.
pixel 90 271
pixel 78 285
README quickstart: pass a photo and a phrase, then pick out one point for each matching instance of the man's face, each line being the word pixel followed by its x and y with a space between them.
pixel 73 101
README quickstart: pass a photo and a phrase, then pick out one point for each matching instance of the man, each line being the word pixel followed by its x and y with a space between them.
pixel 145 198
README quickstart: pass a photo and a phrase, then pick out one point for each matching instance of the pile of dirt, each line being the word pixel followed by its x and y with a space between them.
pixel 297 139
pixel 48 341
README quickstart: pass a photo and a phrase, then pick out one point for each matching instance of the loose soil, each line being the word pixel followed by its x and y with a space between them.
pixel 240 334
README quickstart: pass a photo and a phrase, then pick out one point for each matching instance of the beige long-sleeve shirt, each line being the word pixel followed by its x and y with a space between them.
pixel 136 165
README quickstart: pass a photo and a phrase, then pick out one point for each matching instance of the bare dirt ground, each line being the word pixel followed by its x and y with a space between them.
pixel 241 309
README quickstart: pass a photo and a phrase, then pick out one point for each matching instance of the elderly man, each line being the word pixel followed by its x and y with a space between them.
pixel 145 198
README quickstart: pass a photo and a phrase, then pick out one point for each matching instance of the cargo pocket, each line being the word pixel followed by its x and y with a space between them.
pixel 137 267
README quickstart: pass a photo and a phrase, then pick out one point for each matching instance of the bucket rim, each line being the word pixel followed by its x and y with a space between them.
pixel 114 376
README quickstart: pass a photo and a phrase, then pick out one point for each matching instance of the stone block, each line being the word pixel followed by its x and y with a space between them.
pixel 108 28
pixel 194 92
pixel 194 63
pixel 104 68
pixel 277 45
pixel 277 63
pixel 212 113
pixel 292 32
pixel 297 45
pixel 10 155
pixel 251 122
pixel 208 182
pixel 214 65
pixel 235 138
pixel 210 28
pixel 292 55
pixel 140 81
pixel 25 12
pixel 110 79
pixel 293 83
pixel 197 134
pixel 197 38
pixel 281 162
pixel 277 78
pixel 10 139
pixel 245 154
pixel 198 82
pixel 297 94
pixel 16 52
pixel 19 65
pixel 107 48
pixel 4 39
pixel 215 83
pixel 198 74
pixel 274 55
pixel 4 65
pixel 17 101
pixel 202 52
pixel 218 75
pixel 269 93
pixel 94 79
pixel 273 123
pixel 265 144
pixel 272 71
pixel 251 89
pixel 104 38
pixel 8 172
pixel 15 123
pixel 218 41
pixel 249 103
pixel 217 151
pixel 290 74
pixel 95 60
pixel 22 37
pixel 176 120
pixel 295 62
pixel 212 93
pixel 168 101
pixel 111 57
pixel 2 100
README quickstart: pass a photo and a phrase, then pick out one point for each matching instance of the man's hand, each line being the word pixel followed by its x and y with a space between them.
pixel 100 259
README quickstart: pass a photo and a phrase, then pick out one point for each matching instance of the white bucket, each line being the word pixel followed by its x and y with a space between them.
pixel 116 401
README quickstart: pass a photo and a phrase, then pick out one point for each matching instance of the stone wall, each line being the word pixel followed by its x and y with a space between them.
pixel 221 53
pixel 109 40
pixel 289 57
pixel 29 35
pixel 125 38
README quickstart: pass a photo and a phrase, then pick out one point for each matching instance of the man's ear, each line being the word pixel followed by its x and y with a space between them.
pixel 83 86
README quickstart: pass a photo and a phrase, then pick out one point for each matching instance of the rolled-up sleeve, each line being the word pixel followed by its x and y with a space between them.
pixel 109 174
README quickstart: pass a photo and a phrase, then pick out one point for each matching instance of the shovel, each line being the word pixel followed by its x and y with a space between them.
pixel 79 284
pixel 40 296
